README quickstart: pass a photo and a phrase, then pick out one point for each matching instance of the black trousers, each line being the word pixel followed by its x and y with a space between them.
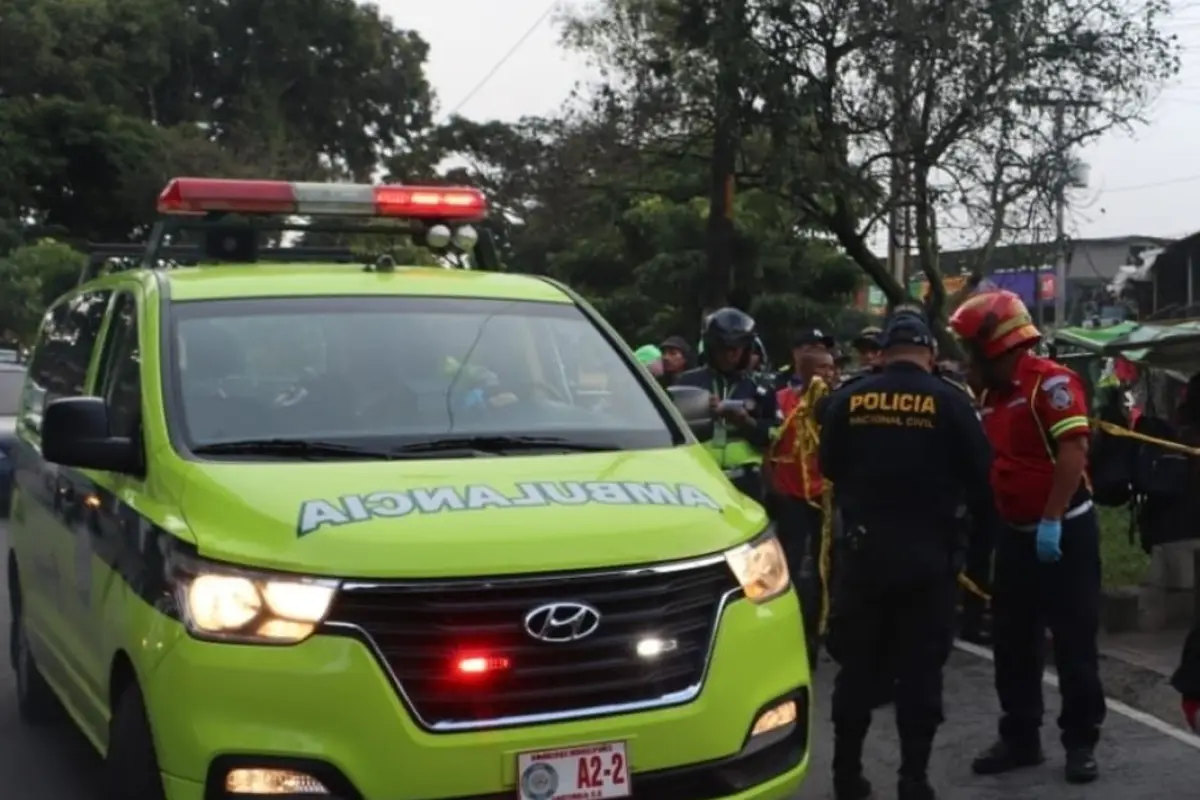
pixel 1027 597
pixel 798 524
pixel 891 633
pixel 978 568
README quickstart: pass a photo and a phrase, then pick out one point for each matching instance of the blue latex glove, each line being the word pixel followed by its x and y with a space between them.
pixel 1049 540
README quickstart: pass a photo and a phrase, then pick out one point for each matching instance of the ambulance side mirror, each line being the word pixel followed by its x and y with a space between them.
pixel 693 404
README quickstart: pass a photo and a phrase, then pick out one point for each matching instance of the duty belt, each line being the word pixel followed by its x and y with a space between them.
pixel 1074 513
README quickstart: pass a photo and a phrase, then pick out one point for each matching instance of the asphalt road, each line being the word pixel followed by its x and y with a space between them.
pixel 1139 759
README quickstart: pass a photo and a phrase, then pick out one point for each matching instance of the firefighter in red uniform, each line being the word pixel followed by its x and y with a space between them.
pixel 798 489
pixel 1047 562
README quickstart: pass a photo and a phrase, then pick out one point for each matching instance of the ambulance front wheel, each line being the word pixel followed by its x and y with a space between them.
pixel 131 766
pixel 36 703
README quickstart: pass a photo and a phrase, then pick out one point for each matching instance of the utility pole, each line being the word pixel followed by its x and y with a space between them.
pixel 727 39
pixel 900 217
pixel 1061 246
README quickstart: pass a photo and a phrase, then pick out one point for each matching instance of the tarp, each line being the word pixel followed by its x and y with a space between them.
pixel 1174 347
pixel 1092 339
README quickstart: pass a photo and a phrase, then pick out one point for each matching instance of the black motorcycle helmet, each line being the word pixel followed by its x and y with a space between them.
pixel 726 328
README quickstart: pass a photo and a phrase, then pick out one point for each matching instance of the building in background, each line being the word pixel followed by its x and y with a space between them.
pixel 1163 284
pixel 1092 267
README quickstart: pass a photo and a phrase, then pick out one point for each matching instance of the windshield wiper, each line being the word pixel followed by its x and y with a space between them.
pixel 303 448
pixel 500 444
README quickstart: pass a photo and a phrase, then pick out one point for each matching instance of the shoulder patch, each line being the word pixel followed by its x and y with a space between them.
pixel 1060 397
pixel 1056 380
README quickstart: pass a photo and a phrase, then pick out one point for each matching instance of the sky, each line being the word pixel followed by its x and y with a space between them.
pixel 503 60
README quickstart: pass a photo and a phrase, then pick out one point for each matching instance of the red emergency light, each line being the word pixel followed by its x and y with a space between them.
pixel 191 196
pixel 480 665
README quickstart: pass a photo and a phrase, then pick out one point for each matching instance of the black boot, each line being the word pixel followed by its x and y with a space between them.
pixel 848 780
pixel 1081 765
pixel 914 766
pixel 851 787
pixel 1005 756
pixel 915 789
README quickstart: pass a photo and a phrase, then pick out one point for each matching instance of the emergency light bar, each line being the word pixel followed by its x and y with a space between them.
pixel 192 196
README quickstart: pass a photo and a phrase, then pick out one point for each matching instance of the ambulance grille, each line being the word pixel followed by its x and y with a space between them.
pixel 421 630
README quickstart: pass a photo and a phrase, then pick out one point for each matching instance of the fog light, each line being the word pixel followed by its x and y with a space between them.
pixel 774 718
pixel 267 782
pixel 653 647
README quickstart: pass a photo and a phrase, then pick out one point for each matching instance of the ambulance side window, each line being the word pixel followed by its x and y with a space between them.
pixel 119 382
pixel 60 363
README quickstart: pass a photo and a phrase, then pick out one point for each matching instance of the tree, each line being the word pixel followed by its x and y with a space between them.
pixel 855 110
pixel 31 277
pixel 980 105
pixel 580 201
pixel 100 103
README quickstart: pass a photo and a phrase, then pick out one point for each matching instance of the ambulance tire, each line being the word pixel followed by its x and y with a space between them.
pixel 131 766
pixel 36 703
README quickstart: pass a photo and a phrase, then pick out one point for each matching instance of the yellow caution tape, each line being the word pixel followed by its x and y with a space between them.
pixel 973 587
pixel 1117 430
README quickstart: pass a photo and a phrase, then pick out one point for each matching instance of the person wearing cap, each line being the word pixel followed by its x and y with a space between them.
pixel 650 357
pixel 804 341
pixel 866 347
pixel 744 409
pixel 676 358
pixel 905 449
pixel 1047 559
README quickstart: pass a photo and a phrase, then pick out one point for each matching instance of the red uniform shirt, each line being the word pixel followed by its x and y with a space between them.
pixel 1044 405
pixel 793 473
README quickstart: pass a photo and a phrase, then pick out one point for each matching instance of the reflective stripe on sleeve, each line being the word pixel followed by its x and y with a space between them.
pixel 1069 424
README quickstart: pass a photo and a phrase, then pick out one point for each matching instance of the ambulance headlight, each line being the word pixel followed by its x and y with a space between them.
pixel 222 603
pixel 437 237
pixel 760 567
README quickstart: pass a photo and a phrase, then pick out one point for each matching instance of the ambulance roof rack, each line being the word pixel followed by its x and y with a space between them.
pixel 233 215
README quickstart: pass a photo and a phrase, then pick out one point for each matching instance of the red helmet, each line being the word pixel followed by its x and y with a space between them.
pixel 994 322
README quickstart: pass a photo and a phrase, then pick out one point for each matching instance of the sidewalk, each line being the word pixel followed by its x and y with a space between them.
pixel 1136 668
pixel 1157 651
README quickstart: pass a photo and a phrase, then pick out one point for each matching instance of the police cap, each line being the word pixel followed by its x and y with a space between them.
pixel 907 325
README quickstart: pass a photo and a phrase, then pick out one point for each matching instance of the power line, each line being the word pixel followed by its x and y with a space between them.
pixel 1139 186
pixel 491 73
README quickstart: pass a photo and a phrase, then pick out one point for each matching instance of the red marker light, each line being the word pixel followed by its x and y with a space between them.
pixel 205 195
pixel 481 665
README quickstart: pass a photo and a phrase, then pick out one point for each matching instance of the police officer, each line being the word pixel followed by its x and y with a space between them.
pixel 1047 561
pixel 904 448
pixel 744 408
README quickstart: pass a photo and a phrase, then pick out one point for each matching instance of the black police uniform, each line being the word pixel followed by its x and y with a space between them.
pixel 740 455
pixel 904 449
pixel 973 624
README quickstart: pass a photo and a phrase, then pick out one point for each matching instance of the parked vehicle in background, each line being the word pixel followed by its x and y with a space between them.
pixel 9 356
pixel 12 379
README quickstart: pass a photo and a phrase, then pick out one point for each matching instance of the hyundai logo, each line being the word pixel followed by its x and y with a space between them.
pixel 562 622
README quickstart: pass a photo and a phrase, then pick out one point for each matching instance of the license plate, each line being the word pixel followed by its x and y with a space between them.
pixel 585 772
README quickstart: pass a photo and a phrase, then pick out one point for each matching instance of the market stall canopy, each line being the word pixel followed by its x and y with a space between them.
pixel 1092 340
pixel 1174 347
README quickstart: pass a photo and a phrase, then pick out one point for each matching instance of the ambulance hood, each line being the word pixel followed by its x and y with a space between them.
pixel 466 517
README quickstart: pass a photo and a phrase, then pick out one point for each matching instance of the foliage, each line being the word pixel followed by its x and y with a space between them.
pixel 31 277
pixel 733 151
pixel 632 236
pixel 836 93
pixel 101 101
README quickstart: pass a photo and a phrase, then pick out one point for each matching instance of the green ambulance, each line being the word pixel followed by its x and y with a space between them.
pixel 291 524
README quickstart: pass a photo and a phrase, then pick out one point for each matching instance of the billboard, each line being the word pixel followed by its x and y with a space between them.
pixel 1023 282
